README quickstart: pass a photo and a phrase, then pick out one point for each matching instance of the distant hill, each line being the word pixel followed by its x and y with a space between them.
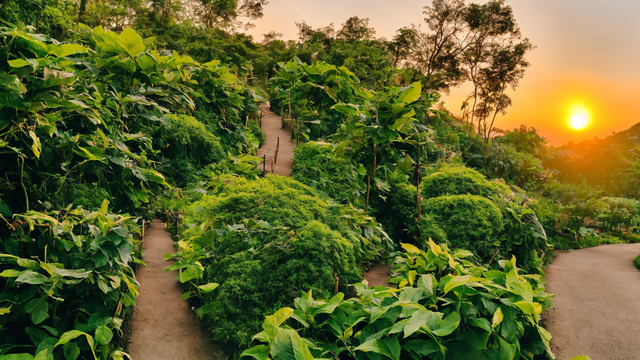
pixel 600 161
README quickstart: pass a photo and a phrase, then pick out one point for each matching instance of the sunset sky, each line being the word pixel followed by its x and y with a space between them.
pixel 587 55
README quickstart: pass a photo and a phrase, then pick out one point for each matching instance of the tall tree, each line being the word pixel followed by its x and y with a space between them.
pixel 355 29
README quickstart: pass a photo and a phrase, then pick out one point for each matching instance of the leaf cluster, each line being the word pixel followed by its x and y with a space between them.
pixel 263 241
pixel 68 282
pixel 444 308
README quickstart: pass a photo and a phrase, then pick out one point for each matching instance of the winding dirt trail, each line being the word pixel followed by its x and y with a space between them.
pixel 163 327
pixel 597 303
pixel 271 126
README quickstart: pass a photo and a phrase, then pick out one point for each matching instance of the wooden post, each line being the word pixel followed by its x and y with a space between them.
pixel 275 156
pixel 246 121
pixel 289 93
pixel 143 224
pixel 264 163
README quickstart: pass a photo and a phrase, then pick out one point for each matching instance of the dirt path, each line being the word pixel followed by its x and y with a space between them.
pixel 271 125
pixel 163 327
pixel 378 274
pixel 597 303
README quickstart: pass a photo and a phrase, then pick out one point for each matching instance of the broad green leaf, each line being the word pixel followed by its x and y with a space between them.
pixel 33 278
pixel 132 42
pixel 10 273
pixel 393 344
pixel 458 281
pixel 72 334
pixel 28 263
pixel 76 274
pixel 448 325
pixel 103 335
pixel 287 345
pixel 38 309
pixel 43 355
pixel 532 309
pixel 6 310
pixel 399 123
pixel 481 323
pixel 411 94
pixel 63 50
pixel 258 352
pixel 417 320
pixel 272 322
pixel 36 146
pixel 133 289
pixel 497 318
pixel 509 326
pixel 428 283
pixel 71 351
pixel 376 346
pixel 507 350
pixel 18 63
pixel 104 207
pixel 208 287
pixel 16 357
pixel 331 305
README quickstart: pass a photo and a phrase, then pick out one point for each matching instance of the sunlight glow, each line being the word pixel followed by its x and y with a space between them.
pixel 579 118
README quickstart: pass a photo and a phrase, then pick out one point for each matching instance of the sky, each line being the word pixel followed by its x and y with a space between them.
pixel 587 55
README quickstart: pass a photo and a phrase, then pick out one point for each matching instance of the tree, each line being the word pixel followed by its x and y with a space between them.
pixel 382 119
pixel 355 29
pixel 494 58
pixel 434 54
pixel 479 43
pixel 226 13
pixel 506 68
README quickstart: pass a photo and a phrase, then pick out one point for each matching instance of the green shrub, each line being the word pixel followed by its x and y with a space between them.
pixel 470 222
pixel 460 180
pixel 636 262
pixel 445 308
pixel 263 241
pixel 67 284
pixel 186 146
pixel 610 239
pixel 316 165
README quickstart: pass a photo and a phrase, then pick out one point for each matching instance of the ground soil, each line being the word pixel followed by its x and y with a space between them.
pixel 378 274
pixel 162 326
pixel 272 128
pixel 597 304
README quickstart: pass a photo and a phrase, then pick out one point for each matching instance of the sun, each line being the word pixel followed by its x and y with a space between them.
pixel 579 119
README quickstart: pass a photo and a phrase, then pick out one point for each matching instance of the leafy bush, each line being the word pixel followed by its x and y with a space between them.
pixel 470 222
pixel 316 165
pixel 186 146
pixel 460 180
pixel 67 283
pixel 263 241
pixel 636 262
pixel 445 308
